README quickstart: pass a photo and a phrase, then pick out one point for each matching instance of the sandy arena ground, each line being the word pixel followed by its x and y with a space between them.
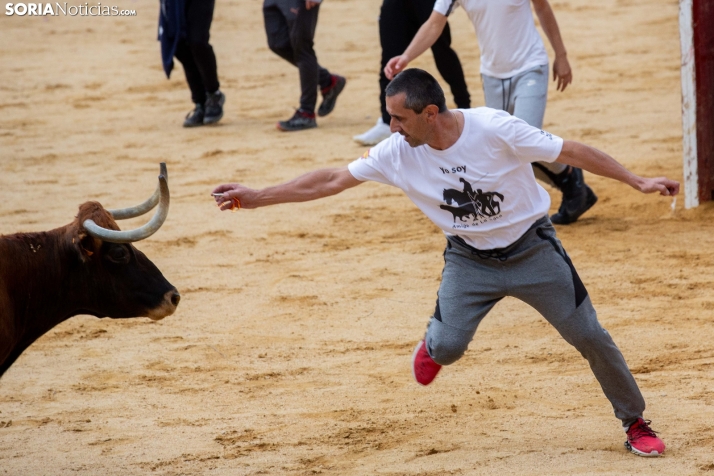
pixel 289 353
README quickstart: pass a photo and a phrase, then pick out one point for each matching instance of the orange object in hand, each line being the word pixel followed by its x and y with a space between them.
pixel 235 204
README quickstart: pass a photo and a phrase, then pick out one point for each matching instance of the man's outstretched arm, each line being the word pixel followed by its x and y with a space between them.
pixel 598 162
pixel 310 186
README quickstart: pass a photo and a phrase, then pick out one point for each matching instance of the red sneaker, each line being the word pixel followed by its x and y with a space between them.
pixel 642 441
pixel 424 368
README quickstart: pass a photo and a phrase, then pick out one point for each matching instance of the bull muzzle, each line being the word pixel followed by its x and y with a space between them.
pixel 167 306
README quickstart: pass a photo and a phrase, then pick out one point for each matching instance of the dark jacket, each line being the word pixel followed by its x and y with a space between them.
pixel 172 27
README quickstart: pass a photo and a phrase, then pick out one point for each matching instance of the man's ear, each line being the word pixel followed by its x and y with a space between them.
pixel 431 111
pixel 86 245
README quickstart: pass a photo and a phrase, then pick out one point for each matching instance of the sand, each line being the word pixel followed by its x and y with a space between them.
pixel 289 353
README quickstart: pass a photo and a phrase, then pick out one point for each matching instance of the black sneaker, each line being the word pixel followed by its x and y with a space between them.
pixel 329 95
pixel 301 120
pixel 214 107
pixel 195 117
pixel 577 197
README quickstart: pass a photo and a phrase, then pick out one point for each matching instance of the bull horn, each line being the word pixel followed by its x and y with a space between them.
pixel 130 236
pixel 131 212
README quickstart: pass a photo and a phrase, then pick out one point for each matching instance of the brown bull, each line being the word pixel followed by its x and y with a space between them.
pixel 86 267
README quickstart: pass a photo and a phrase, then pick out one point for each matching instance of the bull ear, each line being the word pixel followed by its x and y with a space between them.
pixel 87 245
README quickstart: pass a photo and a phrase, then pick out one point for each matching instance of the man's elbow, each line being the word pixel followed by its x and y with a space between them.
pixel 437 21
pixel 568 153
pixel 540 5
pixel 341 180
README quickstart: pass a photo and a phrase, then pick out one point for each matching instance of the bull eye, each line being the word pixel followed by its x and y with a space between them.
pixel 118 254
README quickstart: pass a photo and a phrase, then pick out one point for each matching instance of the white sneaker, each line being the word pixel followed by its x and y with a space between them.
pixel 375 135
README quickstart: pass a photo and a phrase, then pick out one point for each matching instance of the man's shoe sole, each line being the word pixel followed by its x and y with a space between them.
pixel 211 120
pixel 420 344
pixel 414 354
pixel 293 129
pixel 369 142
pixel 634 450
pixel 366 142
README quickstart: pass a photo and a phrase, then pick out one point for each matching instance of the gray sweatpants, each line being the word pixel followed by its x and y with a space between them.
pixel 523 96
pixel 537 270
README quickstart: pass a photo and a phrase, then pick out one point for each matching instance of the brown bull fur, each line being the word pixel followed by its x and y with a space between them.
pixel 48 277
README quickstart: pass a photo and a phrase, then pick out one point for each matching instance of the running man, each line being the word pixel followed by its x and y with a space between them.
pixel 514 75
pixel 491 251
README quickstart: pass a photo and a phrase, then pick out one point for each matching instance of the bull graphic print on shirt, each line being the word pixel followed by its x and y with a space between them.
pixel 472 208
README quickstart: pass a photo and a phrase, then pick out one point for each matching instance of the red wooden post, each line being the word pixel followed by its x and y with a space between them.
pixel 696 19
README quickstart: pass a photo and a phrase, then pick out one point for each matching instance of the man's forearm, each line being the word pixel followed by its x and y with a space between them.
pixel 310 186
pixel 427 35
pixel 597 162
pixel 545 15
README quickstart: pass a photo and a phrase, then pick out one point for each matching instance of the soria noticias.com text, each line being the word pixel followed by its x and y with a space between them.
pixel 65 9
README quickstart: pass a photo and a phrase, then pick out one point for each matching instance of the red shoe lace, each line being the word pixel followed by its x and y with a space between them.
pixel 641 428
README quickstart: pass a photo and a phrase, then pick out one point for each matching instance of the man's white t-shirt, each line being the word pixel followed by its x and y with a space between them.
pixel 507 36
pixel 482 188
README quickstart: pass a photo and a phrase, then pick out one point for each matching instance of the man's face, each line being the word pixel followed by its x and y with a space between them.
pixel 415 128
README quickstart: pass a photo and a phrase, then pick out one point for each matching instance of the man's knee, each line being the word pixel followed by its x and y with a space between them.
pixel 446 344
pixel 302 47
pixel 447 352
pixel 280 48
pixel 200 49
pixel 590 341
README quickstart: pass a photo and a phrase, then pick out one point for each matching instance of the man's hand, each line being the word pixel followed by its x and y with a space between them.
pixel 233 196
pixel 395 65
pixel 309 4
pixel 663 185
pixel 562 72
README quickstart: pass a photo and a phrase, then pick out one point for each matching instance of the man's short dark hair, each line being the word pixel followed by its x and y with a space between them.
pixel 421 89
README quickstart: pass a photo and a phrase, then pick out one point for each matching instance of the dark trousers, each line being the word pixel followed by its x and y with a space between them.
pixel 290 28
pixel 399 20
pixel 195 53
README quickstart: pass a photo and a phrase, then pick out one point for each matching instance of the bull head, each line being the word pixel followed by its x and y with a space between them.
pixel 86 267
pixel 138 286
